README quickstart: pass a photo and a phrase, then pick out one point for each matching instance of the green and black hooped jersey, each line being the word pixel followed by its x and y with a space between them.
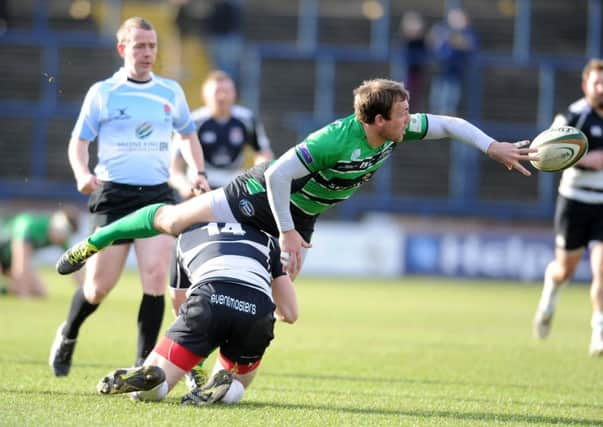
pixel 340 160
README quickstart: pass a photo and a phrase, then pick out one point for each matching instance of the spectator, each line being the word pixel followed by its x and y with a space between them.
pixel 452 43
pixel 224 27
pixel 414 52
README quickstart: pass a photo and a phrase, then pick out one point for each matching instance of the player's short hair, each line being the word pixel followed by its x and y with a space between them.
pixel 123 33
pixel 594 64
pixel 217 76
pixel 377 96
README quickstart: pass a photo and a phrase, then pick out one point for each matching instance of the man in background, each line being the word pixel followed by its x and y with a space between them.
pixel 224 129
pixel 579 211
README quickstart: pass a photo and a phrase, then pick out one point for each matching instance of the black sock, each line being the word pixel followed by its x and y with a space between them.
pixel 78 312
pixel 150 316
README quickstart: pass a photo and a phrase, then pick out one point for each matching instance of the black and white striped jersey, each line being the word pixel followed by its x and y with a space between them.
pixel 578 183
pixel 223 141
pixel 228 252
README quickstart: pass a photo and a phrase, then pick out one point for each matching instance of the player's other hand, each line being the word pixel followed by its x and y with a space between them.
pixel 291 243
pixel 88 183
pixel 511 154
pixel 200 185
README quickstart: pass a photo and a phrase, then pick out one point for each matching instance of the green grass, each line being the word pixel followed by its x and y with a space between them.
pixel 407 352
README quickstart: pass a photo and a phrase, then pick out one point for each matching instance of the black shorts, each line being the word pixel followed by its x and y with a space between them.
pixel 113 201
pixel 253 208
pixel 237 319
pixel 577 223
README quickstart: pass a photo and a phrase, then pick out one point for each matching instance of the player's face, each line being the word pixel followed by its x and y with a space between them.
pixel 219 96
pixel 139 53
pixel 593 89
pixel 399 117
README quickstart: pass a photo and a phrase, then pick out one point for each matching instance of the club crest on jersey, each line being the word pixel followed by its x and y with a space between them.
pixel 144 129
pixel 303 150
pixel 595 130
pixel 246 207
pixel 167 110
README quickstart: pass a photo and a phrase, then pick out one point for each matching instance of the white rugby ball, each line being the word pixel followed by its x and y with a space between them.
pixel 559 148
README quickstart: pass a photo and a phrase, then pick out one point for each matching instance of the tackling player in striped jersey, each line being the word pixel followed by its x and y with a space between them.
pixel 236 287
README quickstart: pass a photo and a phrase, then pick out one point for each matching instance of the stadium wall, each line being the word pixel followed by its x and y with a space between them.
pixel 385 246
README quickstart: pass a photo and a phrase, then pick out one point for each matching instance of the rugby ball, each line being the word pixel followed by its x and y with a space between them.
pixel 559 148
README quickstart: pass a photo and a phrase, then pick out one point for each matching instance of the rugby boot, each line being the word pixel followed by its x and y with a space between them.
pixel 196 378
pixel 128 380
pixel 61 353
pixel 75 257
pixel 210 393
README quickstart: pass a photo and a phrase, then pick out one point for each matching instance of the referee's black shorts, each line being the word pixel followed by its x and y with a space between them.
pixel 113 201
pixel 237 319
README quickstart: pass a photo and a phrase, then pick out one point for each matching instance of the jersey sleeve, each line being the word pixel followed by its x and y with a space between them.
pixel 321 149
pixel 182 120
pixel 417 127
pixel 276 265
pixel 178 277
pixel 259 140
pixel 88 122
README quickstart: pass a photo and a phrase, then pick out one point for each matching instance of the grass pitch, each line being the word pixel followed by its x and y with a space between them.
pixel 407 352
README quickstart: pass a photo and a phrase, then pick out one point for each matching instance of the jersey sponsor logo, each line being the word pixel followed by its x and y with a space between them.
pixel 246 207
pixel 361 165
pixel 303 150
pixel 233 303
pixel 144 129
pixel 236 136
pixel 355 154
pixel 142 146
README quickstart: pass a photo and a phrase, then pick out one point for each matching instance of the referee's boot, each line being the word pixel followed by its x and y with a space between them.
pixel 75 257
pixel 210 393
pixel 61 353
pixel 129 380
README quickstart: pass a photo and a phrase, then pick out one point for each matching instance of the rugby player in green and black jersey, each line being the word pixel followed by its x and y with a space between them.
pixel 286 197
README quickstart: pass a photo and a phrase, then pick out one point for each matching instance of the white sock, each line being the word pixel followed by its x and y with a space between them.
pixel 234 393
pixel 597 322
pixel 550 294
pixel 155 394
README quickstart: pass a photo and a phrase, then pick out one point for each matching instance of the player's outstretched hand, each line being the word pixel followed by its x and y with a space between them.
pixel 511 154
pixel 291 243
